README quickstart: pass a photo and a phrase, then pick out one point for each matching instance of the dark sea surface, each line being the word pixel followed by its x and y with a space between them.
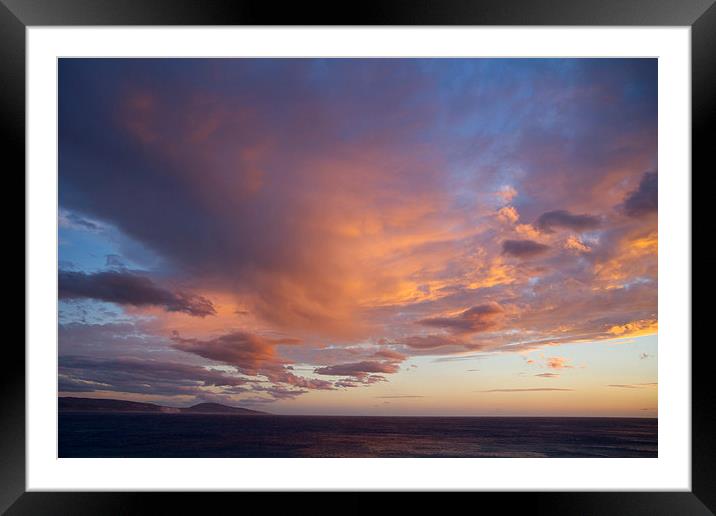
pixel 185 435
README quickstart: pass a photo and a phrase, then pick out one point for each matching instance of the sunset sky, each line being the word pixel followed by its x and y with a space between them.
pixel 360 236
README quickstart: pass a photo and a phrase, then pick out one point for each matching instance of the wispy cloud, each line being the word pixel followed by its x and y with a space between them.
pixel 633 385
pixel 536 389
pixel 399 397
pixel 129 288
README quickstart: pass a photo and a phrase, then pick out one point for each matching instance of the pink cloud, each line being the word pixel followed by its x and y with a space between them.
pixel 558 363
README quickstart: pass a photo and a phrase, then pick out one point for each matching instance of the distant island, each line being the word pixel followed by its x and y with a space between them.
pixel 71 404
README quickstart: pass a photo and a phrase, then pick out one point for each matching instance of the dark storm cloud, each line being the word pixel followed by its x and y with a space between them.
pixel 550 220
pixel 523 248
pixel 473 320
pixel 127 288
pixel 144 376
pixel 164 378
pixel 645 199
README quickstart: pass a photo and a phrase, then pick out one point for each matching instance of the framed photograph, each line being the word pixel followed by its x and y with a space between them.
pixel 422 247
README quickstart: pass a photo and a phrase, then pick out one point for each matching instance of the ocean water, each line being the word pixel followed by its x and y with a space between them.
pixel 188 435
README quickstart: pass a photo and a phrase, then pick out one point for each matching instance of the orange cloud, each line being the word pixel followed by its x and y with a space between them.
pixel 476 319
pixel 635 328
pixel 575 244
pixel 508 214
pixel 558 363
pixel 247 352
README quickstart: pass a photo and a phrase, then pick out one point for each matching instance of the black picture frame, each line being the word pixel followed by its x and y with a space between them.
pixel 16 15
